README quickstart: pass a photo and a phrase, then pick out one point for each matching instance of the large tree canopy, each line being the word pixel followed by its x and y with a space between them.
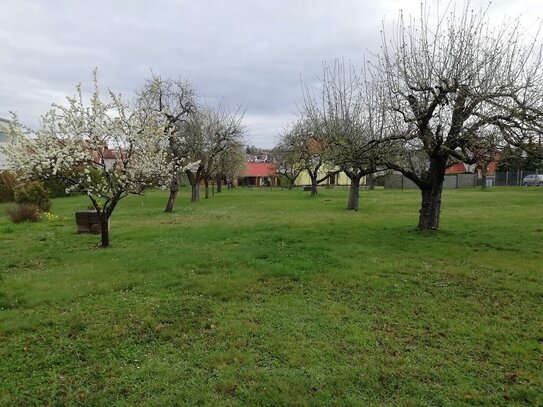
pixel 445 80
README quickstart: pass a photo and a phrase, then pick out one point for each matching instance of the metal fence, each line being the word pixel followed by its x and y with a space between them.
pixel 514 178
pixel 454 181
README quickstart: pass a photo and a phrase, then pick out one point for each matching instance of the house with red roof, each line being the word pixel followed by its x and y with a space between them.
pixel 258 174
pixel 462 168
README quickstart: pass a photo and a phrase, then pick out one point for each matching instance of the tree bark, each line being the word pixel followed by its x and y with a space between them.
pixel 371 181
pixel 206 186
pixel 354 193
pixel 430 207
pixel 174 188
pixel 219 184
pixel 483 174
pixel 195 192
pixel 431 187
pixel 194 180
pixel 104 231
pixel 314 186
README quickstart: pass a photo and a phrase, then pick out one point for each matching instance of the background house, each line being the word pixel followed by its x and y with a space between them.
pixel 258 174
pixel 334 179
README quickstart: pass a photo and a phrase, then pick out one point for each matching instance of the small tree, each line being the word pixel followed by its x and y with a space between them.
pixel 513 158
pixel 303 147
pixel 175 101
pixel 287 161
pixel 344 122
pixel 210 133
pixel 107 149
pixel 484 150
pixel 229 164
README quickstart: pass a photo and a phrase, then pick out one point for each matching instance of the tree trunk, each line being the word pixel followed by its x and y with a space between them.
pixel 206 186
pixel 194 180
pixel 219 184
pixel 430 207
pixel 354 193
pixel 104 230
pixel 195 195
pixel 431 189
pixel 174 187
pixel 483 173
pixel 314 185
pixel 290 182
pixel 370 181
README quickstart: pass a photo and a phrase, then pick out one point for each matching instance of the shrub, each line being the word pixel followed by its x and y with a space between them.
pixel 8 182
pixel 24 212
pixel 33 192
pixel 56 187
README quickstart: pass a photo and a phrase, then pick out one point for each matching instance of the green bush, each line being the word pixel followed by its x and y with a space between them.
pixel 34 193
pixel 8 182
pixel 56 187
pixel 24 212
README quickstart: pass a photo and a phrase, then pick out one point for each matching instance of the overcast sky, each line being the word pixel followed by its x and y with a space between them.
pixel 247 52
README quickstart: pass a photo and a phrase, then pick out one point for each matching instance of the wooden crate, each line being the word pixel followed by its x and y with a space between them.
pixel 88 222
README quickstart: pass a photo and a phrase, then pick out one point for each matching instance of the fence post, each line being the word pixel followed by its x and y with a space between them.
pixel 506 178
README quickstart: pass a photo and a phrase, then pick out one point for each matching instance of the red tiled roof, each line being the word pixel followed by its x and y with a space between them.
pixel 259 170
pixel 457 168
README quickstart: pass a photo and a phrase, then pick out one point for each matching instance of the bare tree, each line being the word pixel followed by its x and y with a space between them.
pixel 230 163
pixel 305 148
pixel 484 149
pixel 443 79
pixel 176 101
pixel 287 161
pixel 344 122
pixel 212 132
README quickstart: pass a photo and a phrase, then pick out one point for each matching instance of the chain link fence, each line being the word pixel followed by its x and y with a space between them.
pixel 517 178
pixel 454 181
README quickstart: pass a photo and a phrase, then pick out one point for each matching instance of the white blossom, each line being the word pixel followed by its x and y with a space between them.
pixel 75 142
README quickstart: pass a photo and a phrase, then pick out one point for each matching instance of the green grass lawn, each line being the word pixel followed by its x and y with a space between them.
pixel 259 297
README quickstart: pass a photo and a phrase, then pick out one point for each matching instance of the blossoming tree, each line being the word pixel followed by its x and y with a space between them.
pixel 107 149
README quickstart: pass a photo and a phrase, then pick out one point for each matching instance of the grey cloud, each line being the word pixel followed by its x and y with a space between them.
pixel 249 53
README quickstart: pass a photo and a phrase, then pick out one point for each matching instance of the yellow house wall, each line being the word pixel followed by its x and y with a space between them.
pixel 341 178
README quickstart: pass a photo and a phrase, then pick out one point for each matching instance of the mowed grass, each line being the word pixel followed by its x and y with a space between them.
pixel 259 297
